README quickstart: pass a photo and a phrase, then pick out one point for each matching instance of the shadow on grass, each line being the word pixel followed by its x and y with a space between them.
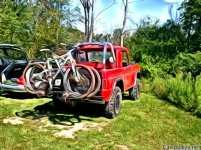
pixel 63 114
pixel 17 95
pixel 126 96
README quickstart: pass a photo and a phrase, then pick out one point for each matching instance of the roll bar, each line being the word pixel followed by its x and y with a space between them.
pixel 104 44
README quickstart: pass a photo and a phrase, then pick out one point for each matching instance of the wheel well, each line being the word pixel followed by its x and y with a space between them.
pixel 138 75
pixel 120 85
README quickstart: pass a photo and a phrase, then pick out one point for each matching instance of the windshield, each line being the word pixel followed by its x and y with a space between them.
pixel 12 53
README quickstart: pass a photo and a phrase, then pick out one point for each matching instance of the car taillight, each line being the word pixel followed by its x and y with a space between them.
pixel 2 78
pixel 21 80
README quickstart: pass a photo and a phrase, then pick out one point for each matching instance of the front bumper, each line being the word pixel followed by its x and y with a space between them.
pixel 12 88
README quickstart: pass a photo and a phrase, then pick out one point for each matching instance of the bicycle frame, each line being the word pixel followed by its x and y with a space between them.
pixel 60 61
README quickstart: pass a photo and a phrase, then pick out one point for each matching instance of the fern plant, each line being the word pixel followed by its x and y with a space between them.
pixel 184 91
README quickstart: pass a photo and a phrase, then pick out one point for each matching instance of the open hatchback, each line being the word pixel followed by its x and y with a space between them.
pixel 13 60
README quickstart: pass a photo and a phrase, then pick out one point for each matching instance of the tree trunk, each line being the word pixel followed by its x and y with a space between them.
pixel 91 23
pixel 122 40
pixel 86 25
pixel 125 3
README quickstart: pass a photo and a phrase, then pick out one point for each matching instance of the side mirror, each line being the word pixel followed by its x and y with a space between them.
pixel 111 59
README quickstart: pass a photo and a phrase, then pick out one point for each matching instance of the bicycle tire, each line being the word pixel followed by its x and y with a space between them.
pixel 68 86
pixel 27 82
pixel 97 83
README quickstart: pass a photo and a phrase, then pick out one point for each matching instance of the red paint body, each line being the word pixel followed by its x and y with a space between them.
pixel 113 74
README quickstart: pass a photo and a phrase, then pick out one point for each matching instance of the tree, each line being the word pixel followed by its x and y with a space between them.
pixel 88 6
pixel 125 18
pixel 162 42
pixel 117 36
pixel 192 23
pixel 32 23
pixel 125 4
pixel 50 22
pixel 14 20
pixel 89 17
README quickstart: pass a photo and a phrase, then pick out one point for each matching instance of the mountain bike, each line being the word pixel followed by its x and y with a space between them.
pixel 40 77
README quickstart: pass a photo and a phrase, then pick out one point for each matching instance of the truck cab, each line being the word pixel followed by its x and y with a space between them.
pixel 118 74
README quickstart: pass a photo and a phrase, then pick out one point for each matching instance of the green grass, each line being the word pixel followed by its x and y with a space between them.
pixel 148 123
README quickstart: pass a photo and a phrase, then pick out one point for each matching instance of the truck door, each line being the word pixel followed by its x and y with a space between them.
pixel 128 73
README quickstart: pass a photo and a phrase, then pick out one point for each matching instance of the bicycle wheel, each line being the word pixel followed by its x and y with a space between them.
pixel 83 87
pixel 97 83
pixel 35 80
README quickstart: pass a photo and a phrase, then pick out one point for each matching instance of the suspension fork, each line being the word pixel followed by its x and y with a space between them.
pixel 49 73
pixel 75 72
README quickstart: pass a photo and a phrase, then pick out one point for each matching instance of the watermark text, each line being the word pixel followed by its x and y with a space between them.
pixel 181 147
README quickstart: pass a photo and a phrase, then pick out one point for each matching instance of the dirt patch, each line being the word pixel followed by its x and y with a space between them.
pixel 122 147
pixel 58 130
pixel 14 120
pixel 70 133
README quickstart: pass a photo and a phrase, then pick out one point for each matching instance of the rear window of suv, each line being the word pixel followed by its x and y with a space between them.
pixel 12 53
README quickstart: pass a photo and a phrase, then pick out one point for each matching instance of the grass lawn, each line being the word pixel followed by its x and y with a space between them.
pixel 147 123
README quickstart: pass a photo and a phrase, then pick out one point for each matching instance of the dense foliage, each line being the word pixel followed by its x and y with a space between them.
pixel 32 24
pixel 170 56
pixel 183 91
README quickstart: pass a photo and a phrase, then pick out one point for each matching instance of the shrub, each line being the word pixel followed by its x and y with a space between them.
pixel 187 62
pixel 160 88
pixel 146 86
pixel 182 90
pixel 197 89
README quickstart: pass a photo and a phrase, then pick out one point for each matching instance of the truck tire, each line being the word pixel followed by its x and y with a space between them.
pixel 134 92
pixel 113 107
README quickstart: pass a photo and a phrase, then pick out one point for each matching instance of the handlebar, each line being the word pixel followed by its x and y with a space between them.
pixel 67 56
pixel 45 50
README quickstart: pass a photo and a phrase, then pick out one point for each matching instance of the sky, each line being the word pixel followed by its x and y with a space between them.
pixel 112 18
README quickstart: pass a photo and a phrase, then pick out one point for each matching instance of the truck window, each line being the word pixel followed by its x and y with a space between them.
pixel 125 61
pixel 82 56
pixel 97 56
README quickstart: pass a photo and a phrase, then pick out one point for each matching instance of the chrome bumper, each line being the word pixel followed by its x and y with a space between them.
pixel 12 88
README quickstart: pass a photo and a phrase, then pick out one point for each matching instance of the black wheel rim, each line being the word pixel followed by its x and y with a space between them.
pixel 37 69
pixel 117 104
pixel 138 91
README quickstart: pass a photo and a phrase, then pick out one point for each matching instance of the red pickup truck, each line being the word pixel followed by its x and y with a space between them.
pixel 118 74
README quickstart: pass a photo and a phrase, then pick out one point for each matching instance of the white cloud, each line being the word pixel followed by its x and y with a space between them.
pixel 173 1
pixel 170 1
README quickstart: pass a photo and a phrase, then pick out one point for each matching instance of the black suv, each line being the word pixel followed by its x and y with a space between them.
pixel 13 60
